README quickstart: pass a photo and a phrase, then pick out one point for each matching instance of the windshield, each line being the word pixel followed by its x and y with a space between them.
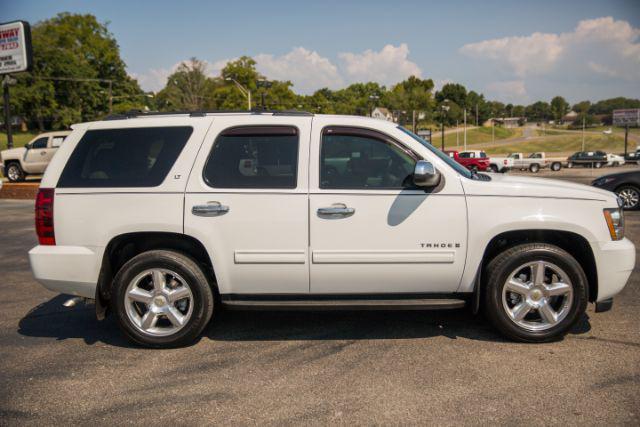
pixel 443 156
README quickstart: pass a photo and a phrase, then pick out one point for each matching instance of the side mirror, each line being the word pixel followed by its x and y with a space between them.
pixel 425 175
pixel 28 146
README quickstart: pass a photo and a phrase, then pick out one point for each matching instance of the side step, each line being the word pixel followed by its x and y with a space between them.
pixel 346 304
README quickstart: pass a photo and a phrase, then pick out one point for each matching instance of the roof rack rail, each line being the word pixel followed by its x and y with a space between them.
pixel 201 113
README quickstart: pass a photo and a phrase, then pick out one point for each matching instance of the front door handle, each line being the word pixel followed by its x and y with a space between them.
pixel 210 209
pixel 337 210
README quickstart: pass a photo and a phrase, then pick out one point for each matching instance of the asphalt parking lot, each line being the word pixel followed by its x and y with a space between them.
pixel 60 365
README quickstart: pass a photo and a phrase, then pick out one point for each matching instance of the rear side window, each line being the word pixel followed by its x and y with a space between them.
pixel 133 157
pixel 254 157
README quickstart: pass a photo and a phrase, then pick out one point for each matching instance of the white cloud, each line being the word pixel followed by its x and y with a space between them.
pixel 389 65
pixel 591 42
pixel 309 71
pixel 508 91
pixel 306 69
pixel 532 54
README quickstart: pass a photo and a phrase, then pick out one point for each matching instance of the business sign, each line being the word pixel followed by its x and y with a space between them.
pixel 15 47
pixel 627 117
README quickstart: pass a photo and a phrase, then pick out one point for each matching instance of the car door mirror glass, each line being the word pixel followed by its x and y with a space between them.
pixel 425 174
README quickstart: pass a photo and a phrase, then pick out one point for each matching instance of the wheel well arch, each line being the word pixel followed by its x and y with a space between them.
pixel 571 242
pixel 627 184
pixel 123 247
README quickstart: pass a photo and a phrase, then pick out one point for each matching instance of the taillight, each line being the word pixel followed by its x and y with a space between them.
pixel 44 216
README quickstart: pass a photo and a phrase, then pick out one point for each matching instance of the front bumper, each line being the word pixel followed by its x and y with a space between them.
pixel 67 269
pixel 615 260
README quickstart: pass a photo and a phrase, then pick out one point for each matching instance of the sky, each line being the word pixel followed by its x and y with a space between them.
pixel 512 51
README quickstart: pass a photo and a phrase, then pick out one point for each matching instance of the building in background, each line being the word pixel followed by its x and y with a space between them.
pixel 382 113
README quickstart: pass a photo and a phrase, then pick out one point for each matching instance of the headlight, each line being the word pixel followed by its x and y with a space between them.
pixel 615 222
pixel 602 181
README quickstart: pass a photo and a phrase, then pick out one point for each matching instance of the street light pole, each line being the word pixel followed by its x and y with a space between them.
pixel 246 92
pixel 444 109
pixel 7 111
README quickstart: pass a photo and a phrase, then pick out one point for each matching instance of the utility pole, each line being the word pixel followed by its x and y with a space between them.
pixel 493 130
pixel 457 135
pixel 414 121
pixel 465 129
pixel 7 110
pixel 110 96
pixel 626 138
pixel 477 114
pixel 583 124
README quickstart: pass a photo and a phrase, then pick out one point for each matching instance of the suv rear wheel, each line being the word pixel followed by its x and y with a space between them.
pixel 162 299
pixel 535 292
pixel 14 172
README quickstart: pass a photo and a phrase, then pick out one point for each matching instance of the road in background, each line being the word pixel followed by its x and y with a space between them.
pixel 60 365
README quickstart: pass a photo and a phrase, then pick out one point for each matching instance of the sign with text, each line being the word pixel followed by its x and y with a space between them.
pixel 627 117
pixel 15 47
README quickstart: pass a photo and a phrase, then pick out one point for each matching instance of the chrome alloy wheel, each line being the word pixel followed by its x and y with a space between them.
pixel 13 173
pixel 537 296
pixel 630 197
pixel 158 302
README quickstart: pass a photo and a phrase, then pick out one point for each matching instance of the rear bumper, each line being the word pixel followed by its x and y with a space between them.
pixel 615 261
pixel 67 269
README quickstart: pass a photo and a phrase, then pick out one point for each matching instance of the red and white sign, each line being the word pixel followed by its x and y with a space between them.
pixel 15 47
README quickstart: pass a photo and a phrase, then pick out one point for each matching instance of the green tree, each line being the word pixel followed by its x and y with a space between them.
pixel 188 88
pixel 582 106
pixel 454 92
pixel 559 107
pixel 538 111
pixel 68 49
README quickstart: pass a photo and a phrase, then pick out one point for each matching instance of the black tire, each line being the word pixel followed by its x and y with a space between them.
pixel 534 168
pixel 188 269
pixel 615 164
pixel 556 166
pixel 14 172
pixel 493 168
pixel 630 190
pixel 498 271
pixel 569 165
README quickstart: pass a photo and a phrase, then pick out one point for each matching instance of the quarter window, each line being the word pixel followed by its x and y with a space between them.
pixel 132 157
pixel 254 157
pixel 363 160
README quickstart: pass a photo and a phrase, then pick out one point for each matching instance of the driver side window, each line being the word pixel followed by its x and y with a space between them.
pixel 40 143
pixel 363 160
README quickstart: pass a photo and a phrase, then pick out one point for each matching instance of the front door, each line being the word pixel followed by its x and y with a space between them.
pixel 36 158
pixel 371 230
pixel 247 202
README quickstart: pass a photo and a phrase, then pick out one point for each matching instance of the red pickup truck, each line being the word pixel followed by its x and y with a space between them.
pixel 469 161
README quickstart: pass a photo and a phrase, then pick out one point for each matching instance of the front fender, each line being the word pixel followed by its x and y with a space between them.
pixel 492 216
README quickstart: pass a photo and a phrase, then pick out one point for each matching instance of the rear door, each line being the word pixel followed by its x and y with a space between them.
pixel 247 201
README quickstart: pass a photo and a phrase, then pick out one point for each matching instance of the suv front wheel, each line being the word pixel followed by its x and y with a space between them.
pixel 162 299
pixel 535 292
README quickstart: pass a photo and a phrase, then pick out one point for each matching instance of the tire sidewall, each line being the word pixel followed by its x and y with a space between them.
pixel 190 272
pixel 499 276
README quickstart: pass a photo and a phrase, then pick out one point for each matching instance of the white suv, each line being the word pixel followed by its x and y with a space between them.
pixel 163 219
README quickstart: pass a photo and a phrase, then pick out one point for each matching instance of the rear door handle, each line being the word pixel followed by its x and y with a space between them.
pixel 337 210
pixel 210 209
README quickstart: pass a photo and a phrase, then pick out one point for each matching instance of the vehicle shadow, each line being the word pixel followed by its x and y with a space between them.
pixel 52 320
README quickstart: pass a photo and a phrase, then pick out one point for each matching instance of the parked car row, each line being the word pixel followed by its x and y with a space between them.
pixel 479 161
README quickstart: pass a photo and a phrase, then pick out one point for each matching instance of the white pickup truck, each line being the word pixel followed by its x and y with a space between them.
pixel 496 163
pixel 33 158
pixel 535 161
pixel 164 219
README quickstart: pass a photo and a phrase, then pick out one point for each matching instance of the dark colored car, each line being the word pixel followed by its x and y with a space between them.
pixel 624 184
pixel 596 159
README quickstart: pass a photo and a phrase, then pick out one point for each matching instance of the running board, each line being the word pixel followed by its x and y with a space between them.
pixel 347 304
